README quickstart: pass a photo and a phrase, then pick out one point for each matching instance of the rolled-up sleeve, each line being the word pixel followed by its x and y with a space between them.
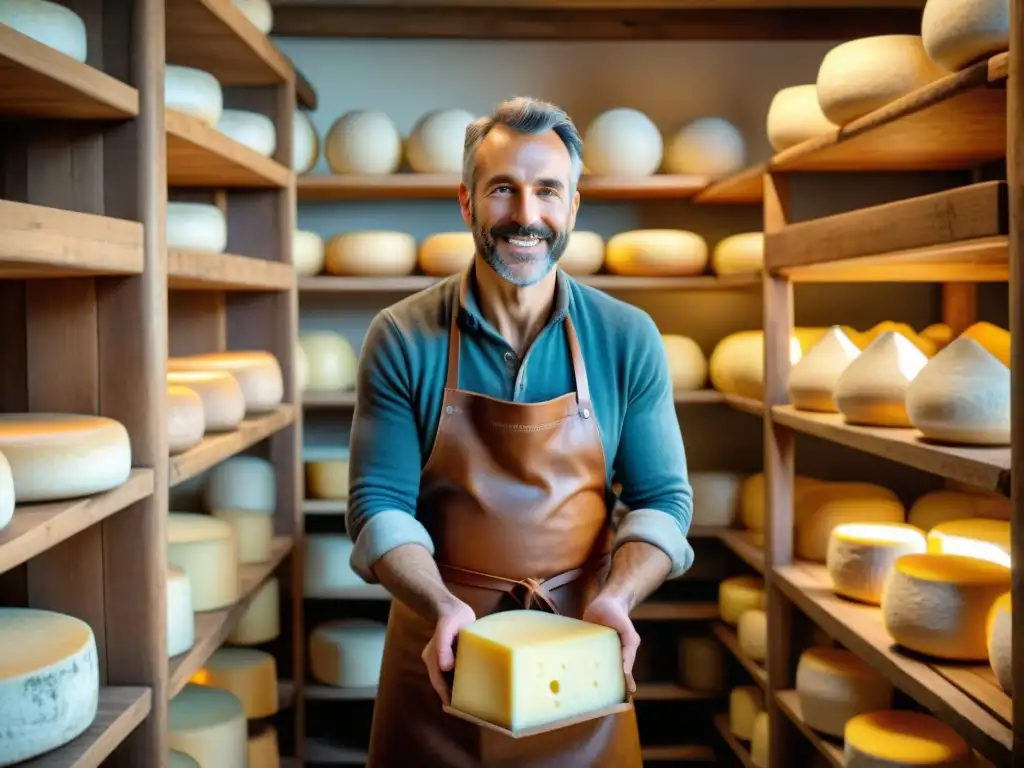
pixel 651 460
pixel 384 452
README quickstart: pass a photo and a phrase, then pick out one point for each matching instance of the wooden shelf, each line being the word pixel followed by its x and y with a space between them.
pixel 668 692
pixel 740 541
pixel 39 81
pixel 324 506
pixel 213 627
pixel 207 271
pixel 682 753
pixel 656 610
pixel 355 592
pixel 745 404
pixel 789 703
pixel 325 752
pixel 727 636
pixel 332 693
pixel 738 748
pixel 987 468
pixel 743 188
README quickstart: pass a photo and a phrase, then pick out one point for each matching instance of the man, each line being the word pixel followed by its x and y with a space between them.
pixel 483 449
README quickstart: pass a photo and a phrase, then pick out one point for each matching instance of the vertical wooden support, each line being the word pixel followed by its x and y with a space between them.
pixel 959 306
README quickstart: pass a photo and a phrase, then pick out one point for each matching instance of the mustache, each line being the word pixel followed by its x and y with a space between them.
pixel 540 231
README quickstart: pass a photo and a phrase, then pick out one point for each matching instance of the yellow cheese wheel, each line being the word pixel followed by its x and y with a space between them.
pixel 736 365
pixel 363 141
pixel 371 253
pixel 205 549
pixel 759 741
pixel 936 507
pixel 738 254
pixel 752 634
pixel 827 504
pixel 584 254
pixel 707 146
pixel 186 422
pixel 208 724
pixel 861 555
pixel 999 641
pixel 891 738
pixel 957 33
pixel 656 252
pixel 972 537
pixel 331 362
pixel 307 253
pixel 872 390
pixel 622 142
pixel 834 685
pixel 327 479
pixel 938 334
pixel 993 338
pixel 687 366
pixel 738 594
pixel 263 749
pixel 261 621
pixel 258 374
pixel 222 396
pixel 254 533
pixel 249 674
pixel 446 253
pixel 794 116
pixel 745 701
pixel 752 498
pixel 864 339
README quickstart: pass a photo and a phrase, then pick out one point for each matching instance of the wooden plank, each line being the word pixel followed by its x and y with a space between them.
pixel 207 271
pixel 739 749
pixel 979 682
pixel 334 693
pixel 305 93
pixel 655 610
pixel 354 592
pixel 745 404
pixel 789 702
pixel 727 636
pixel 741 543
pixel 324 506
pixel 743 188
pixel 681 753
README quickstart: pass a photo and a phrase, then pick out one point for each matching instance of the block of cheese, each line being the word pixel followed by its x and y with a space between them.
pixel 181 624
pixel 48 23
pixel 327 564
pixel 186 420
pixel 250 129
pixel 716 497
pixel 759 740
pixel 62 456
pixel 962 396
pixel 701 663
pixel 834 685
pixel 752 634
pixel 49 681
pixel 622 142
pixel 794 116
pixel 305 143
pixel 935 507
pixel 208 724
pixel 259 13
pixel 737 594
pixel 241 482
pixel 6 493
pixel 180 760
pixel 584 253
pixel 205 548
pixel 254 532
pixel 861 555
pixel 865 74
pixel 687 366
pixel 872 390
pixel 263 749
pixel 331 361
pixel 522 669
pixel 752 498
pixel 196 227
pixel 222 396
pixel 347 653
pixel 193 92
pixel 261 621
pixel 999 642
pixel 827 507
pixel 258 374
pixel 363 141
pixel 938 605
pixel 327 478
pixel 656 253
pixel 707 146
pixel 250 674
pixel 307 253
pixel 864 339
pixel 993 338
pixel 446 253
pixel 435 143
pixel 812 381
pixel 745 701
pixel 371 253
pixel 891 738
pixel 957 33
pixel 972 537
pixel 739 254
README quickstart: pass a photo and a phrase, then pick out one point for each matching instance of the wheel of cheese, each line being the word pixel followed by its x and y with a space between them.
pixel 956 33
pixel 999 642
pixel 795 116
pixel 862 75
pixel 249 674
pixel 812 380
pixel 305 143
pixel 993 338
pixel 261 621
pixel 55 456
pixel 327 478
pixel 327 565
pixel 186 421
pixel 241 482
pixel 208 725
pixel 865 339
pixel 973 537
pixel 739 254
pixel 258 12
pixel 6 493
pixel 250 129
pixel 827 507
pixel 584 254
pixel 752 498
pixel 752 634
pixel 254 532
pixel 347 653
pixel 363 141
pixel 258 373
pixel 446 253
pixel 372 253
pixel 205 549
pixel 49 681
pixel 759 740
pixel 181 760
pixel 716 497
pixel 736 365
pixel 181 626
pixel 745 701
pixel 301 369
pixel 223 400
pixel 861 555
pixel 330 360
pixel 962 396
pixel 834 684
pixel 193 92
pixel 656 252
pixel 708 146
pixel 687 366
pixel 48 23
pixel 892 738
pixel 872 390
pixel 938 605
pixel 938 334
pixel 435 144
pixel 622 142
pixel 196 227
pixel 737 594
pixel 307 253
pixel 936 507
pixel 263 749
pixel 702 663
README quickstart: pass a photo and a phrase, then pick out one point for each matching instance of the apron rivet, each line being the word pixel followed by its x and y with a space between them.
pixel 586 413
pixel 448 410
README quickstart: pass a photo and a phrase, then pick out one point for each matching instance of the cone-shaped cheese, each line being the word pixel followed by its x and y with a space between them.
pixel 745 701
pixel 249 674
pixel 863 340
pixel 222 396
pixel 371 253
pixel 584 255
pixel 208 724
pixel 687 366
pixel 813 379
pixel 999 641
pixel 759 741
pixel 794 116
pixel 363 141
pixel 957 33
pixel 715 498
pixel 656 252
pixel 331 361
pixel 738 594
pixel 752 634
pixel 890 738
pixel 993 338
pixel 873 388
pixel 828 505
pixel 861 555
pixel 936 507
pixel 258 374
pixel 446 253
pixel 739 254
pixel 973 537
pixel 186 422
pixel 834 685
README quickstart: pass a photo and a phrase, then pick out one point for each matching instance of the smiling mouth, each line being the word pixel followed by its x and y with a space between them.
pixel 523 242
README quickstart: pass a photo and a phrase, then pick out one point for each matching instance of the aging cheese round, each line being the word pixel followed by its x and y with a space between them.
pixel 702 663
pixel 892 738
pixel 205 548
pixel 938 605
pixel 186 420
pixel 957 33
pixel 972 537
pixel 193 92
pixel 301 369
pixel 828 506
pixel 834 685
pixel 250 129
pixel 261 621
pixel 687 366
pixel 656 252
pixel 861 555
pixel 331 362
pixel 258 373
pixel 759 741
pixel 584 254
pixel 936 507
pixel 436 142
pixel 716 498
pixel 180 617
pixel 745 701
pixel 622 142
pixel 707 146
pixel 752 634
pixel 49 681
pixel 739 254
pixel 254 532
pixel 56 456
pixel 307 253
pixel 263 749
pixel 371 253
pixel 752 498
pixel 993 338
pixel 196 227
pixel 999 641
pixel 872 390
pixel 180 760
pixel 327 478
pixel 249 674
pixel 736 364
pixel 363 141
pixel 327 565
pixel 738 594
pixel 48 23
pixel 259 13
pixel 208 724
pixel 305 143
pixel 446 253
pixel 347 652
pixel 222 396
pixel 241 482
pixel 812 380
pixel 795 116
pixel 6 493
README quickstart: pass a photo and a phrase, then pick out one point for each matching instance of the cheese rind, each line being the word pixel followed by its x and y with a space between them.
pixel 48 23
pixel 656 252
pixel 812 381
pixel 745 701
pixel 435 143
pixel 834 684
pixel 872 389
pixel 331 361
pixel 186 419
pixel 327 564
pixel 209 725
pixel 327 479
pixel 249 674
pixel 687 365
pixel 794 116
pixel 254 532
pixel 752 634
pixel 999 641
pixel 258 374
pixel 622 142
pixel 861 555
pixel 6 493
pixel 241 482
pixel 347 653
pixel 739 254
pixel 250 129
pixel 707 146
pixel 261 621
pixel 371 253
pixel 738 594
pixel 363 141
pixel 193 92
pixel 196 227
pixel 446 253
pixel 205 548
pixel 180 617
pixel 826 509
pixel 936 507
pixel 957 33
pixel 222 396
pixel 892 738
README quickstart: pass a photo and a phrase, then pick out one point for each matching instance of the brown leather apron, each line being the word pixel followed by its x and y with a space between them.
pixel 513 495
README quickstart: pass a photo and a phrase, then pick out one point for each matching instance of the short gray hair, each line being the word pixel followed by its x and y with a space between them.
pixel 523 115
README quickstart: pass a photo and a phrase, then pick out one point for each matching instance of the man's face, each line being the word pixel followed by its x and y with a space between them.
pixel 523 207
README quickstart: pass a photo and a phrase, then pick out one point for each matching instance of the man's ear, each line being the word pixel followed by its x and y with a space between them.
pixel 466 204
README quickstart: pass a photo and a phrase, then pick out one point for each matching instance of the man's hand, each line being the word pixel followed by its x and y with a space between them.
pixel 439 655
pixel 614 613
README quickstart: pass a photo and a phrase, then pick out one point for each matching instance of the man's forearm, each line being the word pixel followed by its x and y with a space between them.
pixel 637 570
pixel 410 573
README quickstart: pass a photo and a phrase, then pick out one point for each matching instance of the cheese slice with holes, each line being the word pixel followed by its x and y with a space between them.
pixel 891 738
pixel 834 685
pixel 250 674
pixel 208 724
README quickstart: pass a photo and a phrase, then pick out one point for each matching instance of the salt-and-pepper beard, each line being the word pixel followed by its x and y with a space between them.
pixel 487 247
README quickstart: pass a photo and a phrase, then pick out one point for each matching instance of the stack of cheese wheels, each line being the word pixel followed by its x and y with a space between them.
pixel 738 594
pixel 902 739
pixel 973 537
pixel 622 142
pixel 745 701
pixel 347 652
pixel 307 253
pixel 957 34
pixel 208 724
pixel 707 146
pixel 363 141
pixel 371 253
pixel 186 419
pixel 261 621
pixel 259 13
pixel 812 380
pixel 656 252
pixel 872 390
pixel 241 482
pixel 328 570
pixel 687 366
pixel 250 674
pixel 193 92
pixel 250 129
pixel 196 227
pixel 935 507
pixel 331 361
pixel 53 456
pixel 584 254
pixel 827 505
pixel 759 741
pixel 865 339
pixel 305 143
pixel 258 374
pixel 999 641
pixel 752 634
pixel 446 253
pixel 49 681
pixel 834 684
pixel 263 750
pixel 327 474
pixel 701 663
pixel 435 144
pixel 222 396
pixel 206 550
pixel 860 76
pixel 716 497
pixel 180 617
pixel 6 493
pixel 861 555
pixel 794 116
pixel 752 502
pixel 48 23
pixel 938 605
pixel 738 254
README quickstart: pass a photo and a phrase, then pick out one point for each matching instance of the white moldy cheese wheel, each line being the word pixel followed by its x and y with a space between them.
pixel 259 13
pixel 372 253
pixel 702 663
pixel 186 420
pixel 794 116
pixel 860 76
pixel 998 641
pixel 656 252
pixel 6 493
pixel 48 23
pixel 973 537
pixel 208 725
pixel 752 634
pixel 327 565
pixel 738 254
pixel 222 396
pixel 56 456
pixel 241 482
pixel 936 507
pixel 872 390
pixel 49 681
pixel 892 738
pixel 250 129
pixel 716 497
pixel 435 144
pixel 584 255
pixel 196 227
pixel 305 143
pixel 745 701
pixel 327 478
pixel 249 674
pixel 258 373
pixel 347 652
pixel 261 621
pixel 193 92
pixel 831 505
pixel 759 741
pixel 180 617
pixel 956 33
pixel 738 594
pixel 938 605
pixel 622 142
pixel 687 365
pixel 861 555
pixel 263 749
pixel 363 141
pixel 205 548
pixel 446 253
pixel 812 380
pixel 331 362
pixel 708 146
pixel 834 685
pixel 254 532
